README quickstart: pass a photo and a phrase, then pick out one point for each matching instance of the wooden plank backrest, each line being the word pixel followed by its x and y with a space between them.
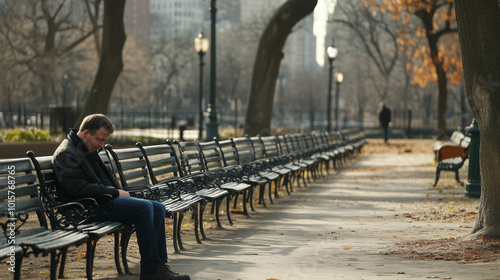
pixel 19 191
pixel 258 148
pixel 211 155
pixel 131 166
pixel 295 141
pixel 46 178
pixel 162 162
pixel 228 152
pixel 190 157
pixel 270 146
pixel 244 148
pixel 285 148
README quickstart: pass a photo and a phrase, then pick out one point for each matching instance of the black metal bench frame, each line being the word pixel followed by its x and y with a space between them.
pixel 60 219
pixel 131 167
pixel 18 183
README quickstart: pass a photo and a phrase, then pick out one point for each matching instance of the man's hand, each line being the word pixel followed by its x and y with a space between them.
pixel 122 193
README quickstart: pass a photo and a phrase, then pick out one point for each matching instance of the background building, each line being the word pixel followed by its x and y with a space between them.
pixel 137 21
pixel 176 18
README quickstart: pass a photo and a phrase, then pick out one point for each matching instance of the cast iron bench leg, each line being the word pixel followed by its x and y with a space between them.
pixel 126 234
pixel 63 264
pixel 178 230
pixel 196 219
pixel 117 252
pixel 228 207
pixel 202 209
pixel 91 244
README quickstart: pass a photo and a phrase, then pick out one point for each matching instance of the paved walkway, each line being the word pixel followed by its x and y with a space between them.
pixel 342 227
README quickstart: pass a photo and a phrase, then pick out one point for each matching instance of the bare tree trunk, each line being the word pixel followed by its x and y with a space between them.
pixel 427 15
pixel 478 25
pixel 111 64
pixel 267 63
pixel 442 81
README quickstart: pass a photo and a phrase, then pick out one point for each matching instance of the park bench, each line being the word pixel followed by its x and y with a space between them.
pixel 230 178
pixel 451 148
pixel 24 224
pixel 322 159
pixel 329 151
pixel 280 163
pixel 302 155
pixel 454 164
pixel 335 145
pixel 266 152
pixel 164 168
pixel 246 152
pixel 248 171
pixel 204 158
pixel 355 140
pixel 61 219
pixel 294 162
pixel 177 197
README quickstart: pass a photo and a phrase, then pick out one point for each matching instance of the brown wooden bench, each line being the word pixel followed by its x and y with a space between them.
pixel 457 144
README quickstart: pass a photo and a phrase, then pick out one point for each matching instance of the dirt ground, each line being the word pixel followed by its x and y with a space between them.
pixel 452 209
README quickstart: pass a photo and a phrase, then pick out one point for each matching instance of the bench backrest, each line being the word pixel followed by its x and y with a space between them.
pixel 309 141
pixel 19 196
pixel 131 167
pixel 297 145
pixel 285 146
pixel 244 148
pixel 190 157
pixel 162 162
pixel 258 148
pixel 211 155
pixel 270 146
pixel 228 152
pixel 73 213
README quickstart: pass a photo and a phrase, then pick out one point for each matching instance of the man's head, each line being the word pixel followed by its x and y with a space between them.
pixel 95 131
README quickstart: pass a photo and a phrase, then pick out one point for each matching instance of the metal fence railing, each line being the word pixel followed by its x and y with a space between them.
pixel 59 118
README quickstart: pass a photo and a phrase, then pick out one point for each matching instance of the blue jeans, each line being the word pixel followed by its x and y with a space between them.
pixel 148 217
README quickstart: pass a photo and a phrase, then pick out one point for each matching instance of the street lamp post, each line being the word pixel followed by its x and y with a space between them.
pixel 201 47
pixel 339 77
pixel 212 126
pixel 332 54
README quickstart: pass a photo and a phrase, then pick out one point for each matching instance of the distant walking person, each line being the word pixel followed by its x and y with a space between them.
pixel 384 116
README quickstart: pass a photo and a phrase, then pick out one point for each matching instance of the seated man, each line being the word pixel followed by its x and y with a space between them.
pixel 80 173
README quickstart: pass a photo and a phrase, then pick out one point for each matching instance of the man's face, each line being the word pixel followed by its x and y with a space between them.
pixel 97 140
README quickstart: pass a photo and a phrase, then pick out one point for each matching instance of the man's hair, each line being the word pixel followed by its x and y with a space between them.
pixel 95 121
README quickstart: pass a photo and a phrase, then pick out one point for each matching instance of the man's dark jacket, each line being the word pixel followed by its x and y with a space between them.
pixel 78 171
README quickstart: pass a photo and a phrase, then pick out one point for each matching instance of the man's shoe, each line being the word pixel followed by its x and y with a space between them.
pixel 163 272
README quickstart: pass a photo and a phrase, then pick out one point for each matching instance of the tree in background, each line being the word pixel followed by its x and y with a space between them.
pixel 377 33
pixel 267 63
pixel 111 64
pixel 39 39
pixel 437 18
pixel 478 29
